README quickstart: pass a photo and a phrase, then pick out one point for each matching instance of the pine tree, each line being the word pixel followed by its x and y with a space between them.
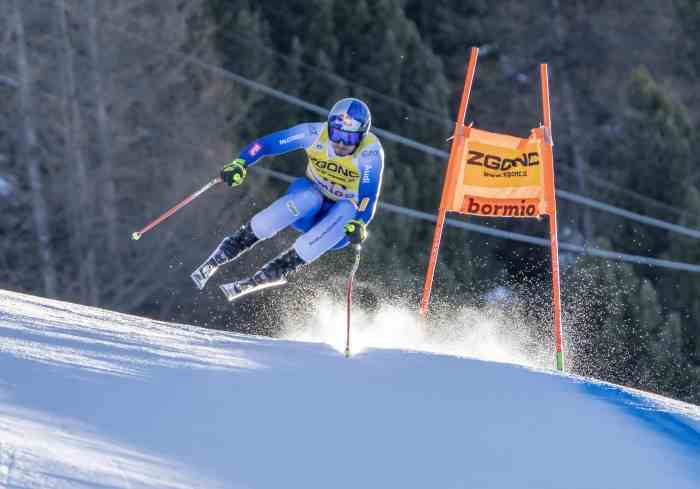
pixel 651 154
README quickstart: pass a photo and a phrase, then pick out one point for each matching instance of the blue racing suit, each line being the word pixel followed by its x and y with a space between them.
pixel 335 190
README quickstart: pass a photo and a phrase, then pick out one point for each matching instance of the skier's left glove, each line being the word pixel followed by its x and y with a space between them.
pixel 233 173
pixel 356 231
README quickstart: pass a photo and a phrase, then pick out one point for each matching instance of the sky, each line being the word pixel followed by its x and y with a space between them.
pixel 93 398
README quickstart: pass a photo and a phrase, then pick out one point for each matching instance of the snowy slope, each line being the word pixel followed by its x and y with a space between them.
pixel 91 398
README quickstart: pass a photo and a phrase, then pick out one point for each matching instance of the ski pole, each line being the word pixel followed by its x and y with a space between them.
pixel 136 235
pixel 358 250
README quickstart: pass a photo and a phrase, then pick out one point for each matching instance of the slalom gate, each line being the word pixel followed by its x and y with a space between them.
pixel 497 175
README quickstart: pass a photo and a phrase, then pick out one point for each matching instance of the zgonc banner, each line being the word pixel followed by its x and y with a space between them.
pixel 500 175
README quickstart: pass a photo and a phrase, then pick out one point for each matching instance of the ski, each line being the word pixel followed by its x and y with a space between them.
pixel 228 250
pixel 236 290
pixel 205 271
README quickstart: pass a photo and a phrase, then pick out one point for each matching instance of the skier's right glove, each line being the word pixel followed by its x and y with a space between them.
pixel 356 231
pixel 233 173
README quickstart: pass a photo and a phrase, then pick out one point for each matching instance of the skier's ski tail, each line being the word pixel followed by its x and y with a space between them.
pixel 203 274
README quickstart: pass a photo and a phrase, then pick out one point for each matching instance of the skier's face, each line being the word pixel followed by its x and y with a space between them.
pixel 343 149
pixel 344 142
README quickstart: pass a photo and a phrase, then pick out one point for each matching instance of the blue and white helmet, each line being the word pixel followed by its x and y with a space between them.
pixel 348 121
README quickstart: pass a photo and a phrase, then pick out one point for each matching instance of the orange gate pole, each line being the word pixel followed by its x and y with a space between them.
pixel 450 176
pixel 550 198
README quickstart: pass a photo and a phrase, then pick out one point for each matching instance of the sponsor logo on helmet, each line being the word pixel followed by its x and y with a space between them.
pixel 346 122
pixel 370 152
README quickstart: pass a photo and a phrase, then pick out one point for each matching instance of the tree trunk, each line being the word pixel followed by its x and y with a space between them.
pixel 109 197
pixel 572 122
pixel 29 154
pixel 84 252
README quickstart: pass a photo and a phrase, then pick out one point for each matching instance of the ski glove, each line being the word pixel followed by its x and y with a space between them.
pixel 234 173
pixel 356 231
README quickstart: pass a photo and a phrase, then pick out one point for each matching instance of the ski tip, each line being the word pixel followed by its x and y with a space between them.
pixel 135 236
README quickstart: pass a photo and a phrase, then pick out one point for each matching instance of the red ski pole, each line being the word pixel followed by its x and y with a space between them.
pixel 136 235
pixel 358 249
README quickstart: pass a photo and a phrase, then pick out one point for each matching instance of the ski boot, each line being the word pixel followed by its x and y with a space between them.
pixel 270 275
pixel 228 250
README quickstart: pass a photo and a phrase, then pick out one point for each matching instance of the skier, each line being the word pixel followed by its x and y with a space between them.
pixel 331 205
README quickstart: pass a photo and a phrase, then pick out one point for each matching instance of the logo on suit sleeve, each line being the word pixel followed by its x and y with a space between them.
pixel 255 149
pixel 366 174
pixel 291 138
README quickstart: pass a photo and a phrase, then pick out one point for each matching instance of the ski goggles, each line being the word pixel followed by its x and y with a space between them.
pixel 347 138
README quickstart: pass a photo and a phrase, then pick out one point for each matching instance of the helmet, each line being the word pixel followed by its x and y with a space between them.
pixel 348 121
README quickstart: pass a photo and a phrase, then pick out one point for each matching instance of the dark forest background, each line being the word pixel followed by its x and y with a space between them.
pixel 112 111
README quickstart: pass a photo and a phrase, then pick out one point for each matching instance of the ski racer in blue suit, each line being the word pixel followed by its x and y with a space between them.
pixel 331 205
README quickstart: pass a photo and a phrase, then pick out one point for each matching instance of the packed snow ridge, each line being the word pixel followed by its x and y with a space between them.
pixel 93 398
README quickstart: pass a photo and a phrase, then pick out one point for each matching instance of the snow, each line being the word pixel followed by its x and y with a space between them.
pixel 93 398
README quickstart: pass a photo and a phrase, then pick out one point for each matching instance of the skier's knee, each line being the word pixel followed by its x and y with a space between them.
pixel 307 200
pixel 263 226
pixel 284 212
